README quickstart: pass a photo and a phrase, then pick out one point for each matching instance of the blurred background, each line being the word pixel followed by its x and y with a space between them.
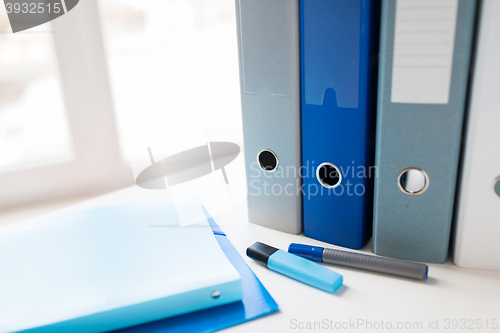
pixel 82 97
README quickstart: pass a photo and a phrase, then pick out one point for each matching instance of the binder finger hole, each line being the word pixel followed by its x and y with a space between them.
pixel 413 181
pixel 496 187
pixel 268 160
pixel 328 175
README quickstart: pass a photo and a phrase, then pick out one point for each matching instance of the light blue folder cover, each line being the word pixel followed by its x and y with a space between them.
pixel 90 280
pixel 256 301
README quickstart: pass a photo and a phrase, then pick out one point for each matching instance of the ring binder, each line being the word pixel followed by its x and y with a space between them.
pixel 268 44
pixel 339 42
pixel 423 75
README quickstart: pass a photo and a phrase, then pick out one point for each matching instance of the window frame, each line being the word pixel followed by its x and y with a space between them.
pixel 98 165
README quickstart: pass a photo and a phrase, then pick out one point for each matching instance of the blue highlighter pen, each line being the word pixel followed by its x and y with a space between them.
pixel 296 267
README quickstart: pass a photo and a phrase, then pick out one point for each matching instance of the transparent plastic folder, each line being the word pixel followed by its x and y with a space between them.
pixel 108 268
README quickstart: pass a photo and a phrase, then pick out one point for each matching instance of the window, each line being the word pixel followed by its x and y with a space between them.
pixel 58 128
pixel 174 74
pixel 31 102
pixel 109 79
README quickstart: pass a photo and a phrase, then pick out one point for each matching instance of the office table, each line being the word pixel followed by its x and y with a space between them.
pixel 453 299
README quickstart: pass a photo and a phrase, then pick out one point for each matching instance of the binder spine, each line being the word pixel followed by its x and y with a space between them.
pixel 477 222
pixel 339 45
pixel 423 77
pixel 268 45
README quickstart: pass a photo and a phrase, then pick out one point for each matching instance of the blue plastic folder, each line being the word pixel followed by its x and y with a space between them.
pixel 114 267
pixel 256 301
pixel 339 44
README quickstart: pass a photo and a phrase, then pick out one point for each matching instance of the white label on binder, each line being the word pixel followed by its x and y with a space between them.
pixel 423 51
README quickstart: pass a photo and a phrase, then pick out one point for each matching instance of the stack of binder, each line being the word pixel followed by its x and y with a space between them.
pixel 418 109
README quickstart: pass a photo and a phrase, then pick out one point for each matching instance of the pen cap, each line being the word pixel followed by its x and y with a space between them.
pixel 306 251
pixel 260 252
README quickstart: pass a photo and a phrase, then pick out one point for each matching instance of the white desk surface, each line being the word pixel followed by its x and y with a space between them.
pixel 453 299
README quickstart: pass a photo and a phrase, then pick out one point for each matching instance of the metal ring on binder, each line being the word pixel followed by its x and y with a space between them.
pixel 496 187
pixel 321 179
pixel 405 191
pixel 265 165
